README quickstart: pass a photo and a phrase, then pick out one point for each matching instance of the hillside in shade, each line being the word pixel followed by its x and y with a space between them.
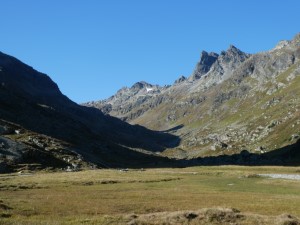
pixel 42 128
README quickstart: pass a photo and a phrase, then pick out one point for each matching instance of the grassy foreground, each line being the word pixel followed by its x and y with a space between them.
pixel 112 196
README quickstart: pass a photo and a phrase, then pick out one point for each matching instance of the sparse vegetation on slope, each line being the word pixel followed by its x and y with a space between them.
pixel 235 102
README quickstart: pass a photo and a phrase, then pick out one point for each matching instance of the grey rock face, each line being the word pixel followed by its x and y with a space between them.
pixel 10 149
pixel 180 80
pixel 127 101
pixel 218 67
pixel 140 85
pixel 226 63
pixel 204 65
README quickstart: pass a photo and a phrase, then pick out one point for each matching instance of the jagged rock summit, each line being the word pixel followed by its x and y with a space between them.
pixel 204 65
pixel 212 68
pixel 180 80
pixel 221 65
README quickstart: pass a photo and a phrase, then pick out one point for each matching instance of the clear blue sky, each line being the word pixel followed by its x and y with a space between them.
pixel 93 48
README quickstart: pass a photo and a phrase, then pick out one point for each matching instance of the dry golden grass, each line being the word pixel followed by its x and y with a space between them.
pixel 105 196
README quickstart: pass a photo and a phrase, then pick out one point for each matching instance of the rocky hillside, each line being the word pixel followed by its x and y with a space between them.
pixel 126 99
pixel 42 128
pixel 233 101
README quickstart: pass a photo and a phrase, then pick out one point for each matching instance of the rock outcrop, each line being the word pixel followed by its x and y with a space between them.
pixel 204 65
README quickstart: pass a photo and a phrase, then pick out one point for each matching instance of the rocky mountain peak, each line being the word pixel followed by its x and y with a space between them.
pixel 204 65
pixel 286 44
pixel 234 52
pixel 296 40
pixel 140 85
pixel 281 45
pixel 180 79
pixel 232 48
pixel 218 67
pixel 128 98
pixel 232 57
pixel 208 58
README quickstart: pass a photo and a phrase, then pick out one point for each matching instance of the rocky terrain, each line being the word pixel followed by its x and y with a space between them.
pixel 127 99
pixel 233 101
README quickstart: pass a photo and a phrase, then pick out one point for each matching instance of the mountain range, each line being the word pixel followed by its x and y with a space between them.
pixel 235 108
pixel 232 101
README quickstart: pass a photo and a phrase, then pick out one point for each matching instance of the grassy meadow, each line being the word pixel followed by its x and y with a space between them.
pixel 112 196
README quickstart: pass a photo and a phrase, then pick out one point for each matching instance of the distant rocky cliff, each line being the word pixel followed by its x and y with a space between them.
pixel 232 101
pixel 127 99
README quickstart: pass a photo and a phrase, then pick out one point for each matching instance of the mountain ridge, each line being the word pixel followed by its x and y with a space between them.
pixel 216 93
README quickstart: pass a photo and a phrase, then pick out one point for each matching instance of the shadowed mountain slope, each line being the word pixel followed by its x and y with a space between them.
pixel 32 105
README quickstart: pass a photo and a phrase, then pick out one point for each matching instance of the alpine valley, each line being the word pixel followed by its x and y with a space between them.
pixel 235 108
